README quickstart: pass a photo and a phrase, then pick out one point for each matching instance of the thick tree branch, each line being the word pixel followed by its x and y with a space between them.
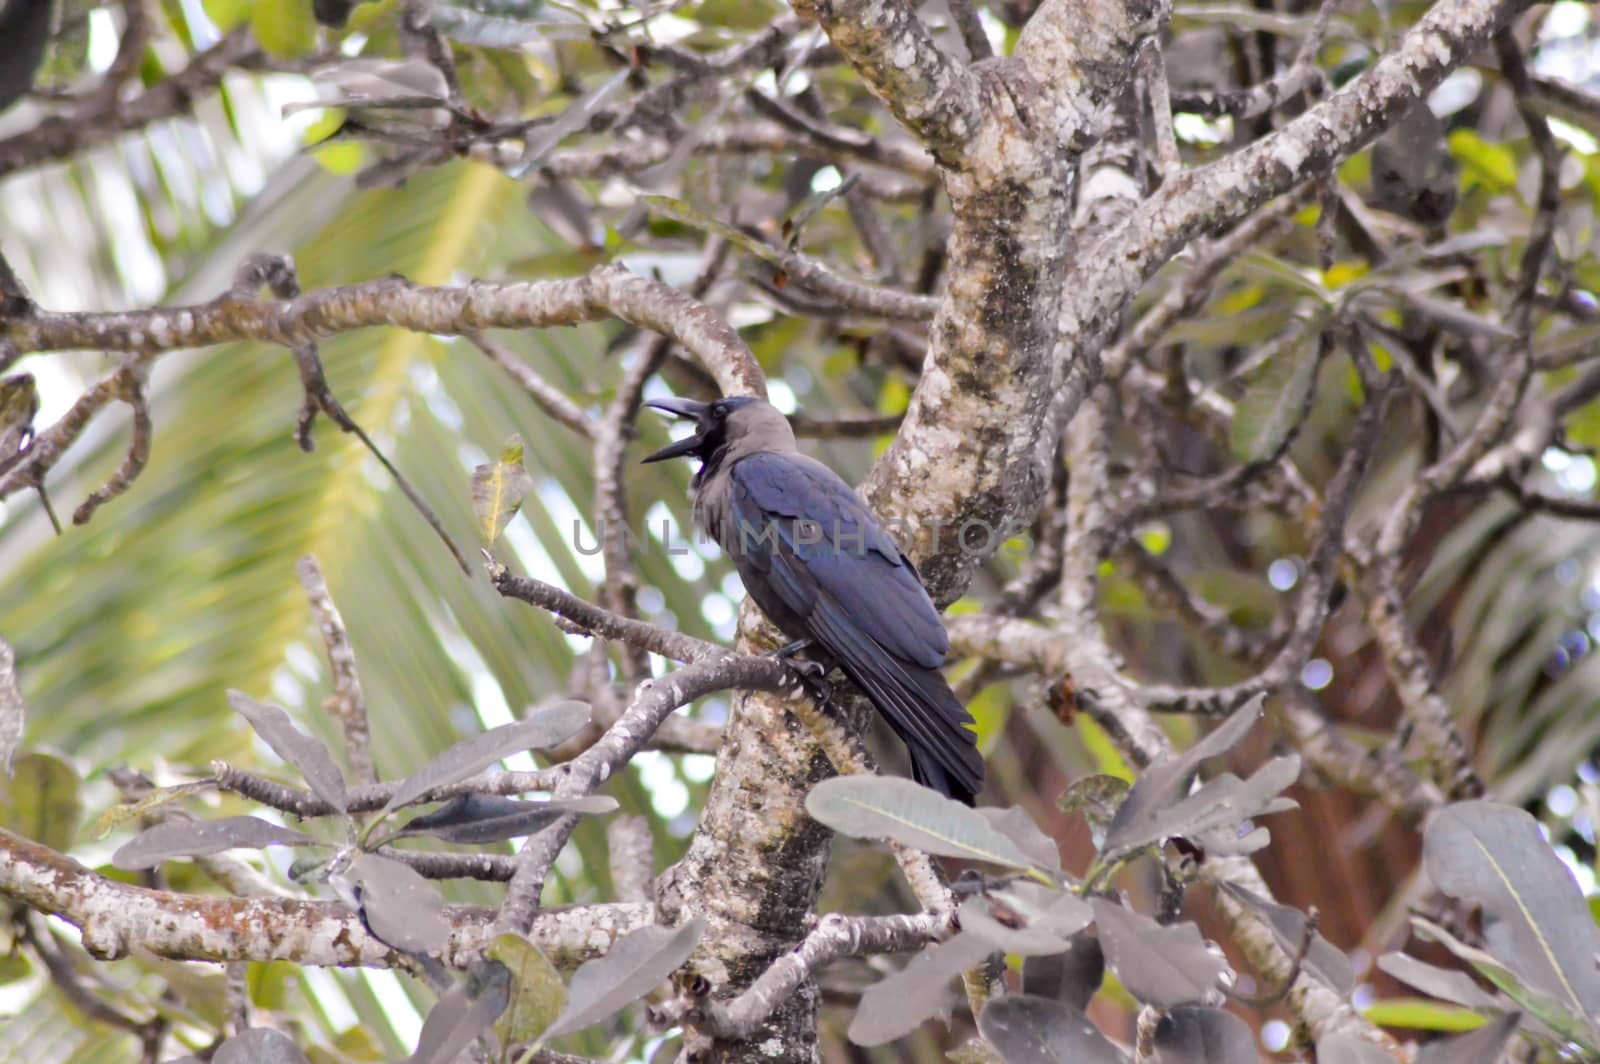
pixel 117 919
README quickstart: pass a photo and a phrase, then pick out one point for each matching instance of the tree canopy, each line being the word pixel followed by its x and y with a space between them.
pixel 1228 371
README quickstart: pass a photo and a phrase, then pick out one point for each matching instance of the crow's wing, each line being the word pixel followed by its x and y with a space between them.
pixel 845 553
pixel 854 593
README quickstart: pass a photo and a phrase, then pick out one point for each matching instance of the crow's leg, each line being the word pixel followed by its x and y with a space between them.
pixel 812 679
pixel 812 671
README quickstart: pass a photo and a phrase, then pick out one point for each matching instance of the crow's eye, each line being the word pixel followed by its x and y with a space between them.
pixel 718 412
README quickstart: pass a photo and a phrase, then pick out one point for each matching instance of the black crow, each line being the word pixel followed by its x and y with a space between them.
pixel 822 568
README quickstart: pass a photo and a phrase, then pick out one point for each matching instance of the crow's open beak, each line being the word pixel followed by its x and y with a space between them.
pixel 685 408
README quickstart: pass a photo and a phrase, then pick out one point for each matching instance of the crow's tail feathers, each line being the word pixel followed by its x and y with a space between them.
pixel 929 719
pixel 916 701
pixel 952 764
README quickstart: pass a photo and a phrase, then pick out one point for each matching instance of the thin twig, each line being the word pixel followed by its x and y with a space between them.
pixel 347 704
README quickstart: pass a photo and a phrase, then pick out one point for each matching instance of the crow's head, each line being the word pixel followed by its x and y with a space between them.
pixel 742 423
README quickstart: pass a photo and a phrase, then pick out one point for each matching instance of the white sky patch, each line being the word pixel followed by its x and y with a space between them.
pixel 287 688
pixel 102 39
pixel 1565 19
pixel 668 795
pixel 536 561
pixel 59 386
pixel 291 89
pixel 1455 92
pixel 333 1001
pixel 993 29
pixel 650 600
pixel 699 767
pixel 305 664
pixel 1578 138
pixel 570 522
pixel 689 565
pixel 1581 870
pixel 1579 477
pixel 1562 801
pixel 720 614
pixel 781 395
pixel 1200 131
pixel 1317 674
pixel 488 698
pixel 1283 574
pixel 397 1006
pixel 825 180
pixel 204 30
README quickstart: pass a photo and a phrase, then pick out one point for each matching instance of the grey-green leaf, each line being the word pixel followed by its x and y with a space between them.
pixel 1535 916
pixel 1322 959
pixel 1015 824
pixel 1073 977
pixel 887 807
pixel 1025 1029
pixel 200 838
pixel 466 1011
pixel 477 819
pixel 894 1007
pixel 1143 816
pixel 1348 1049
pixel 1550 1010
pixel 1265 416
pixel 543 727
pixel 1199 1034
pixel 637 963
pixel 1483 1046
pixel 307 754
pixel 1162 965
pixel 403 909
pixel 1446 984
pixel 260 1045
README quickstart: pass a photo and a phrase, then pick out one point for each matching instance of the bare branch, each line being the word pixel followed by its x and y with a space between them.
pixel 118 918
pixel 931 93
pixel 836 936
pixel 348 704
pixel 551 400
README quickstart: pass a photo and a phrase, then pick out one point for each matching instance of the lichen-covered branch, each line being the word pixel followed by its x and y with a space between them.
pixel 117 919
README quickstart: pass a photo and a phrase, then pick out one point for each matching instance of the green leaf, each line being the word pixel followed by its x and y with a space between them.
pixel 342 157
pixel 682 213
pixel 1274 403
pixel 112 818
pixel 537 993
pixel 498 489
pixel 1096 798
pixel 886 807
pixel 1491 165
pixel 42 800
pixel 1421 1014
pixel 229 15
pixel 285 28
